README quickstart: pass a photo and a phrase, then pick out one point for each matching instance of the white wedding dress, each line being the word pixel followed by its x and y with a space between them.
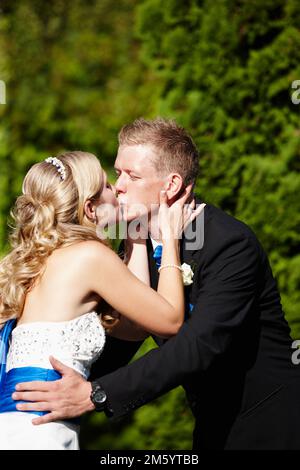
pixel 77 343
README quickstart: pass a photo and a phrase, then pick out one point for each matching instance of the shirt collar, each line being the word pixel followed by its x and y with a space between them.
pixel 154 243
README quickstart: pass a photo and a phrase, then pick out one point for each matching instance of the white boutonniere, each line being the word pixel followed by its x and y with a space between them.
pixel 187 274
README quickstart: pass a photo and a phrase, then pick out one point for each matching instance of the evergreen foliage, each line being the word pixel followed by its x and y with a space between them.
pixel 75 72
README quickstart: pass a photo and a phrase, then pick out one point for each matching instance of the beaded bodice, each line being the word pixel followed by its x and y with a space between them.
pixel 77 343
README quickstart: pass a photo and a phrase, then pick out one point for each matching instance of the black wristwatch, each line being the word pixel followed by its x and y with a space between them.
pixel 99 399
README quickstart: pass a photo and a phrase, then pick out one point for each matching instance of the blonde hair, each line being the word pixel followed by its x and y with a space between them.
pixel 174 147
pixel 48 215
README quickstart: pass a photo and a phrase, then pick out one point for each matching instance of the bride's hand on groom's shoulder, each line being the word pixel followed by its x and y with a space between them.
pixel 65 398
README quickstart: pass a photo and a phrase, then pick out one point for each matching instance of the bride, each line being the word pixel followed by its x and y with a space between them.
pixel 58 280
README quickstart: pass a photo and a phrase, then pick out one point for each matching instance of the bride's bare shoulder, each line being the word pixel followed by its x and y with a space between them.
pixel 90 247
pixel 83 256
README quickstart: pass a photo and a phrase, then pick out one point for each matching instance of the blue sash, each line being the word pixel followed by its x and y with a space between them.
pixel 9 380
pixel 23 374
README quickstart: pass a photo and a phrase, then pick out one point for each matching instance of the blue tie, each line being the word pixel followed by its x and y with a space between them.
pixel 157 255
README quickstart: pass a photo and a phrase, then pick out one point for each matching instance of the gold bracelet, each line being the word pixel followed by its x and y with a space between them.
pixel 170 266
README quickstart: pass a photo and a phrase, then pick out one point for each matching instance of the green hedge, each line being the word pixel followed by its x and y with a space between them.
pixel 76 71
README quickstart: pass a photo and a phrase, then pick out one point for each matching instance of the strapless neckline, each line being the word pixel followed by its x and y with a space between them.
pixel 58 323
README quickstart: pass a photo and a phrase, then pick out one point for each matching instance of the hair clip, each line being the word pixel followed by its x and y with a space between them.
pixel 59 165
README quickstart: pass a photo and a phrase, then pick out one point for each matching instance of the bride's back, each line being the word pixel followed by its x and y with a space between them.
pixel 62 292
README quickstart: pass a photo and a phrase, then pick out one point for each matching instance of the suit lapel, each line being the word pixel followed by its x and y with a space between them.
pixel 191 246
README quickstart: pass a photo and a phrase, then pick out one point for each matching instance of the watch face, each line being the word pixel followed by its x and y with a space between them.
pixel 99 396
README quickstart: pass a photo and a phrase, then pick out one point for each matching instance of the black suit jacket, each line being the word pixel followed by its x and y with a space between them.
pixel 233 353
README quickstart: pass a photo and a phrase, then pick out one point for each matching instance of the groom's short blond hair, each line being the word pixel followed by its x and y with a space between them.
pixel 174 148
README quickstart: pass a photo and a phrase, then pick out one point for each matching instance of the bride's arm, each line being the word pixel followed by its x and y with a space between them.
pixel 160 312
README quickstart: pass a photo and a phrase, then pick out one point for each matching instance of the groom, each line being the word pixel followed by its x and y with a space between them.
pixel 233 352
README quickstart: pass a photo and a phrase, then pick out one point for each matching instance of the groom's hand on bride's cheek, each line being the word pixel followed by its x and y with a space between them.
pixel 65 398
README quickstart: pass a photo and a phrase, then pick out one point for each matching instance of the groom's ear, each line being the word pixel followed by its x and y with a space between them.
pixel 174 186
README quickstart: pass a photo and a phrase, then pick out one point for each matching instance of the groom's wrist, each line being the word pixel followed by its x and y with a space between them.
pixel 98 398
pixel 87 403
